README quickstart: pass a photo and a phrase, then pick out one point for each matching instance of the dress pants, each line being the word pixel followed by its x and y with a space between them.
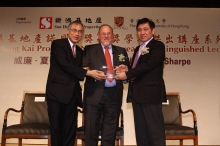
pixel 103 116
pixel 149 124
pixel 63 120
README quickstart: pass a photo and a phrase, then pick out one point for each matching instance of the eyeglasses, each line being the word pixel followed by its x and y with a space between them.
pixel 73 30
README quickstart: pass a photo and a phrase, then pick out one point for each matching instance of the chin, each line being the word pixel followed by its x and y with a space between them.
pixel 75 41
pixel 106 43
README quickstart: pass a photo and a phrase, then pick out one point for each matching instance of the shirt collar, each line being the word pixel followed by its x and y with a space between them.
pixel 71 44
pixel 145 43
pixel 109 47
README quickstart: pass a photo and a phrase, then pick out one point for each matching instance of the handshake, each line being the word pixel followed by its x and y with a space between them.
pixel 119 73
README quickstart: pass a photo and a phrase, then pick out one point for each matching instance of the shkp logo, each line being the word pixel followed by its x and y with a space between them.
pixel 45 22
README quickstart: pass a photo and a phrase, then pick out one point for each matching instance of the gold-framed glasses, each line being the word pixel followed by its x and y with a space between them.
pixel 73 30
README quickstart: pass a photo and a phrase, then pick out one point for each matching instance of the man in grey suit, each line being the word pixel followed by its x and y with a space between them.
pixel 102 99
pixel 146 87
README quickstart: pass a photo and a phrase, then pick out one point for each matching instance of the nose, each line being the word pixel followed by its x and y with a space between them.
pixel 142 31
pixel 77 32
pixel 105 35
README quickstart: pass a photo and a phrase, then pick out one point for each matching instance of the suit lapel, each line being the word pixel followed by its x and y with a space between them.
pixel 150 43
pixel 78 55
pixel 115 56
pixel 70 54
pixel 69 51
pixel 146 55
pixel 134 55
pixel 99 51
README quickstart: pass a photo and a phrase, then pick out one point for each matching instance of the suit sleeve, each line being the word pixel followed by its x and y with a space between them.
pixel 59 54
pixel 155 58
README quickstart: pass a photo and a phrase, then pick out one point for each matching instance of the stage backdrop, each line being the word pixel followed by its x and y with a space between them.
pixel 192 65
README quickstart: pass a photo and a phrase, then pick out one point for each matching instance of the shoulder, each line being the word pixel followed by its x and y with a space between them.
pixel 60 41
pixel 118 47
pixel 157 42
pixel 92 46
pixel 79 48
pixel 156 46
pixel 61 44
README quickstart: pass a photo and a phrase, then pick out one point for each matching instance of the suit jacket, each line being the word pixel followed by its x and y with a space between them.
pixel 94 58
pixel 148 85
pixel 65 72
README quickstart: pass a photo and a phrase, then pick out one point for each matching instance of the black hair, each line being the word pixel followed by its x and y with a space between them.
pixel 145 20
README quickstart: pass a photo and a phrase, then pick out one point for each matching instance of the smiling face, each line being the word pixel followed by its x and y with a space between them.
pixel 144 32
pixel 105 35
pixel 75 32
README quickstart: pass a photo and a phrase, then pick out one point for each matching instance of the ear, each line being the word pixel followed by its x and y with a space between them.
pixel 98 37
pixel 153 31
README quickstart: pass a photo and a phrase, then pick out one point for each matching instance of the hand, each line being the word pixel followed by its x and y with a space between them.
pixel 96 74
pixel 121 76
pixel 121 68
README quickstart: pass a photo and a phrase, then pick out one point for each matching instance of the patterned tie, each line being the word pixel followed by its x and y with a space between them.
pixel 108 63
pixel 137 55
pixel 73 50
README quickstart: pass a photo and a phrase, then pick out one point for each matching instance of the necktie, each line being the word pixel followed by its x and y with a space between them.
pixel 137 55
pixel 73 50
pixel 108 63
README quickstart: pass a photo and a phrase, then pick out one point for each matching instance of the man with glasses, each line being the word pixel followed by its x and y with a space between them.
pixel 63 91
pixel 103 98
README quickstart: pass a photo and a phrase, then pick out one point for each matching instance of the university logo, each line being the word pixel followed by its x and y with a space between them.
pixel 45 22
pixel 119 23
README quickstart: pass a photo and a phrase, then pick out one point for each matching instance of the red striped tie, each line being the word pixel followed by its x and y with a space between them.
pixel 108 63
pixel 73 50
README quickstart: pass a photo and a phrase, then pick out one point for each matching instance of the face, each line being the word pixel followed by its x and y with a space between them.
pixel 75 33
pixel 105 35
pixel 144 32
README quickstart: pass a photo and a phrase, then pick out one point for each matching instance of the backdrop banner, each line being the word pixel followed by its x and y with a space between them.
pixel 192 65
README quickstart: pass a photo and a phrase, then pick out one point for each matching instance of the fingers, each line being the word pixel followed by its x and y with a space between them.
pixel 99 75
pixel 121 68
pixel 116 77
pixel 121 76
pixel 100 72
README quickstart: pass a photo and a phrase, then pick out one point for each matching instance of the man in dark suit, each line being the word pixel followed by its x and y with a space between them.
pixel 63 91
pixel 146 88
pixel 103 99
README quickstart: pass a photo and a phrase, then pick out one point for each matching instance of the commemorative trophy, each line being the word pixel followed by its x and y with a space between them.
pixel 109 71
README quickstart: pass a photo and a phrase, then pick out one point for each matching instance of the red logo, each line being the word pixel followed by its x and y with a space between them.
pixel 119 21
pixel 45 22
